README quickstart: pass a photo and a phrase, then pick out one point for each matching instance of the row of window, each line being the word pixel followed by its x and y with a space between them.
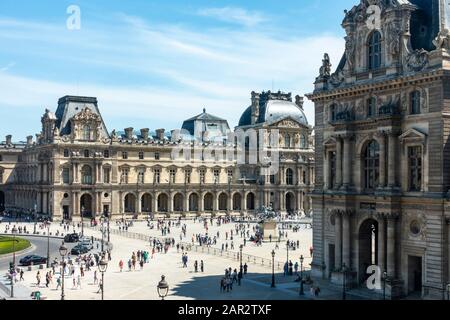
pixel 371 167
pixel 106 154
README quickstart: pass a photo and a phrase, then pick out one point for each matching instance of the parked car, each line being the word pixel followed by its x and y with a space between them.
pixel 79 249
pixel 86 242
pixel 70 238
pixel 32 259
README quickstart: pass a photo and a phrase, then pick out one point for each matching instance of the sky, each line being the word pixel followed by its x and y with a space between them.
pixel 153 64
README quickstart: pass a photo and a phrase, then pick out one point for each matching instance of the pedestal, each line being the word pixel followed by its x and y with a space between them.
pixel 269 230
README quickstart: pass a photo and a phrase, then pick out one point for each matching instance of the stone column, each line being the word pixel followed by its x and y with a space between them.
pixel 390 265
pixel 381 243
pixel 338 180
pixel 391 160
pixel 338 240
pixel 170 208
pixel 138 204
pixel 347 162
pixel 382 140
pixel 155 203
pixel 346 238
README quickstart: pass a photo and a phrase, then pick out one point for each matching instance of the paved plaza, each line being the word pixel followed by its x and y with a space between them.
pixel 184 282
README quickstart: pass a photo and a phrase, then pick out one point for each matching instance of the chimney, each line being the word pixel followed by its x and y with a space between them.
pixel 9 139
pixel 29 140
pixel 175 135
pixel 160 134
pixel 144 133
pixel 129 133
pixel 299 101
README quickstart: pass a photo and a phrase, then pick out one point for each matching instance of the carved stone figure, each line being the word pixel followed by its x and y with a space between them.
pixel 325 69
pixel 417 60
pixel 442 40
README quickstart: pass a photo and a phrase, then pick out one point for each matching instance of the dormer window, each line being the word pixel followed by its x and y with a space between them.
pixel 87 132
pixel 374 50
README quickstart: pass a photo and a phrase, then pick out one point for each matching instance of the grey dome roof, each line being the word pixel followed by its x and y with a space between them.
pixel 273 111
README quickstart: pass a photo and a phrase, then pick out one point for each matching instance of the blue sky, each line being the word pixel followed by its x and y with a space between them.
pixel 155 63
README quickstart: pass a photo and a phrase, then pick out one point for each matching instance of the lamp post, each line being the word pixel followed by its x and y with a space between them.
pixel 62 252
pixel 240 256
pixel 302 292
pixel 273 269
pixel 384 284
pixel 82 224
pixel 102 222
pixel 13 269
pixel 344 274
pixel 48 244
pixel 102 266
pixel 163 288
pixel 287 256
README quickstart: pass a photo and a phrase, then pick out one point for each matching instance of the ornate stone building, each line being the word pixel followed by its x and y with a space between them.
pixel 76 167
pixel 382 150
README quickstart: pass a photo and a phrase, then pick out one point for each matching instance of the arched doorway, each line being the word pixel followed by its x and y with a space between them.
pixel 237 202
pixel 250 201
pixel 86 205
pixel 146 203
pixel 208 202
pixel 163 201
pixel 290 202
pixel 130 203
pixel 193 202
pixel 2 201
pixel 223 202
pixel 178 202
pixel 368 247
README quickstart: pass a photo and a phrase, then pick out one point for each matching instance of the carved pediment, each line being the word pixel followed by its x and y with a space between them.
pixel 413 135
pixel 330 142
pixel 287 123
pixel 86 115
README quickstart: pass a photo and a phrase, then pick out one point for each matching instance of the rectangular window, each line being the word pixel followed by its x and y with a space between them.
pixel 124 155
pixel 371 107
pixel 230 174
pixel 66 175
pixel 141 155
pixel 106 154
pixel 86 153
pixel 272 179
pixel 415 168
pixel 415 102
pixel 157 176
pixel 156 155
pixel 106 175
pixel 66 153
pixel 332 169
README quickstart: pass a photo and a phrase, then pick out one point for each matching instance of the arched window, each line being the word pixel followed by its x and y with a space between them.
pixel 223 202
pixel 415 102
pixel 302 141
pixel 287 141
pixel 86 132
pixel 86 175
pixel 371 165
pixel 374 50
pixel 250 201
pixel 289 177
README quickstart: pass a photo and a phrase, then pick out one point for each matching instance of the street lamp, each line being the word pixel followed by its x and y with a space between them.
pixel 287 256
pixel 163 288
pixel 301 276
pixel 48 244
pixel 344 273
pixel 240 255
pixel 384 284
pixel 13 269
pixel 273 269
pixel 63 253
pixel 82 224
pixel 102 266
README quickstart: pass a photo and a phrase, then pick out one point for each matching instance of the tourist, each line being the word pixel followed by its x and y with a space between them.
pixel 21 275
pixel 201 266
pixel 38 278
pixel 95 277
pixel 196 266
pixel 121 265
pixel 245 268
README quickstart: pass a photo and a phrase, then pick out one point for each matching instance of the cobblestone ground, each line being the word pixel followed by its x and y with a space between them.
pixel 184 282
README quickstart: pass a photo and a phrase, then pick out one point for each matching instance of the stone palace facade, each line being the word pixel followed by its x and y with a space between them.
pixel 76 167
pixel 383 152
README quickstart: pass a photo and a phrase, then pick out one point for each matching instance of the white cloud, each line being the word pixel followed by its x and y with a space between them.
pixel 172 72
pixel 234 15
